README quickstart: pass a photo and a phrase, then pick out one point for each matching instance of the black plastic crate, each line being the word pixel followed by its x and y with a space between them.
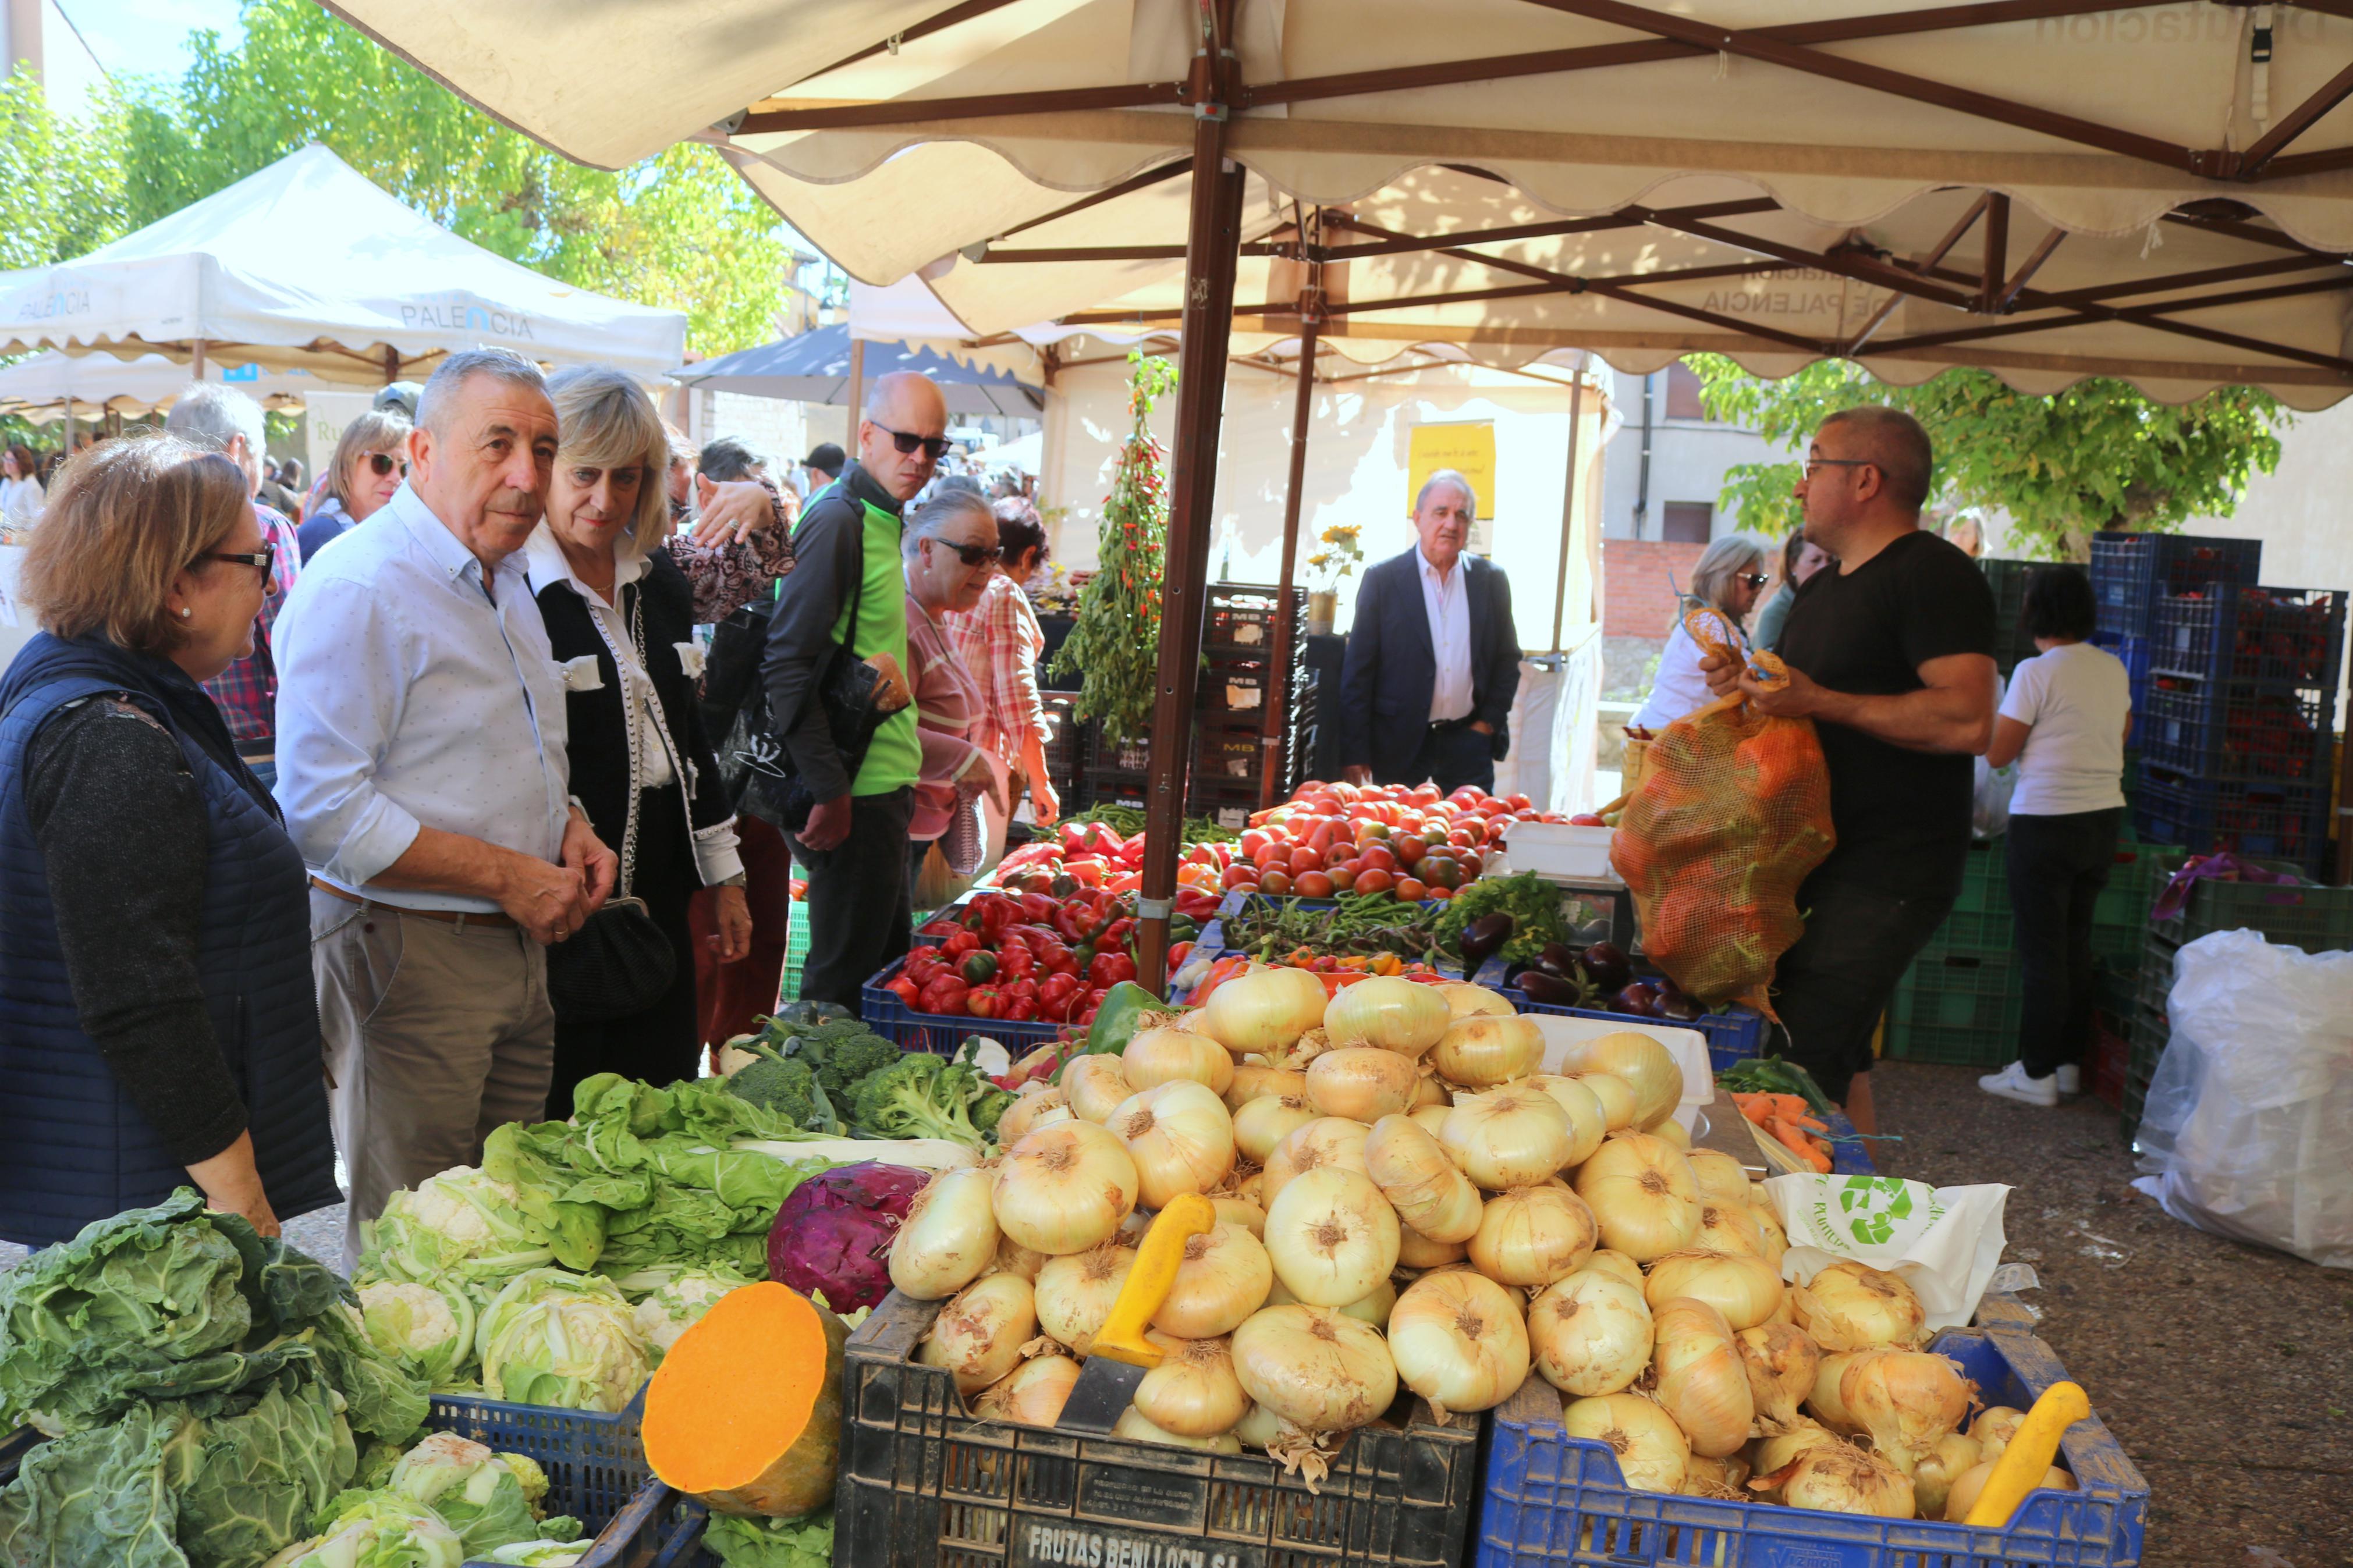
pixel 924 1484
pixel 2238 730
pixel 1245 685
pixel 2283 637
pixel 1239 620
pixel 2131 571
pixel 2007 579
pixel 2273 821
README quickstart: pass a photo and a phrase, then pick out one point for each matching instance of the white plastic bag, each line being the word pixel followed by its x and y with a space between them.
pixel 1945 1241
pixel 2247 1129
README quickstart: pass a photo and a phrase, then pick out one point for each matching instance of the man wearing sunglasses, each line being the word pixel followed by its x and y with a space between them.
pixel 1891 654
pixel 847 545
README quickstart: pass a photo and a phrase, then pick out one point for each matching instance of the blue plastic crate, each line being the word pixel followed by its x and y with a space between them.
pixel 2238 730
pixel 939 1033
pixel 2257 817
pixel 2131 571
pixel 2133 653
pixel 2279 637
pixel 1733 1036
pixel 1557 1501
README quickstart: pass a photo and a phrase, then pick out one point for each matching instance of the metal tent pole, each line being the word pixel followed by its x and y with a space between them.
pixel 1568 506
pixel 1212 247
pixel 197 359
pixel 1278 686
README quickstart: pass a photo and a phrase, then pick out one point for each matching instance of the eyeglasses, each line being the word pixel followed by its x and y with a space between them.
pixel 973 554
pixel 933 447
pixel 383 463
pixel 1754 579
pixel 1813 463
pixel 260 558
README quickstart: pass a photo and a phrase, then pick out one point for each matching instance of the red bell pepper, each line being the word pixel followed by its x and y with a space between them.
pixel 1115 936
pixel 945 994
pixel 1015 960
pixel 1109 969
pixel 1019 1010
pixel 978 968
pixel 962 943
pixel 983 1001
pixel 1178 954
pixel 905 989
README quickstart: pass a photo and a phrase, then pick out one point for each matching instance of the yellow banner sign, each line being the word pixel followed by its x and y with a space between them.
pixel 1469 448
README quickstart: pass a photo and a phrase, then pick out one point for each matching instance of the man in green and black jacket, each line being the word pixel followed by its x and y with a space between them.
pixel 855 844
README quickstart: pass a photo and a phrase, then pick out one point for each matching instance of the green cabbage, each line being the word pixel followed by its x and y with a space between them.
pixel 485 1497
pixel 553 1338
pixel 384 1531
pixel 771 1542
pixel 461 1226
pixel 429 1327
pixel 677 1304
pixel 541 1553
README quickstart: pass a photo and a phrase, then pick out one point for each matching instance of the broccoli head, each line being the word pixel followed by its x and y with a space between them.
pixel 786 1088
pixel 913 1097
pixel 846 1060
pixel 989 1108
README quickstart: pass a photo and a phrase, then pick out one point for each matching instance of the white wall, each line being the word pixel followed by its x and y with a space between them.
pixel 2304 511
pixel 1689 458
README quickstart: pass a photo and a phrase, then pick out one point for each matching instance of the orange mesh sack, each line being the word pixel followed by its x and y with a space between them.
pixel 1731 813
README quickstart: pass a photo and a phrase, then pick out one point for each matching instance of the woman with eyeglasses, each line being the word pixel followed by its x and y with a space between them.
pixel 951 553
pixel 1000 642
pixel 1730 576
pixel 370 464
pixel 158 1024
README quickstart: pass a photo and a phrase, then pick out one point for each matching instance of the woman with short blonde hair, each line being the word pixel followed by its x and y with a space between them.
pixel 370 464
pixel 155 935
pixel 621 621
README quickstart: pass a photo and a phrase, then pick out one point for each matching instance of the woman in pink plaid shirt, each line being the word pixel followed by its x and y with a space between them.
pixel 999 641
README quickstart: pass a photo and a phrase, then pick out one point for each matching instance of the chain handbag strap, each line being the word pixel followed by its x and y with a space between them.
pixel 629 739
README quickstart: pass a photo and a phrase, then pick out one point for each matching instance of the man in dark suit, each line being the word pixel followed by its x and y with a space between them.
pixel 1433 658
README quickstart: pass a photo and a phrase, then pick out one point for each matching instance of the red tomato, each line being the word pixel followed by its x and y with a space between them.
pixel 1409 891
pixel 1460 837
pixel 1311 885
pixel 1471 862
pixel 1440 894
pixel 1375 882
pixel 1238 873
pixel 1339 855
pixel 1423 794
pixel 1378 858
pixel 1518 802
pixel 1304 859
pixel 1344 876
pixel 1322 837
pixel 1438 870
pixel 1275 884
pixel 1253 840
pixel 1409 851
pixel 1272 855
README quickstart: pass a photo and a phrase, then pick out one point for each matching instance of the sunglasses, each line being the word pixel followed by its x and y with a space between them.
pixel 973 554
pixel 933 447
pixel 260 558
pixel 1754 579
pixel 381 464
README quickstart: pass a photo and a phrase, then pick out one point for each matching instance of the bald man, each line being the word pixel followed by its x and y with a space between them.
pixel 846 547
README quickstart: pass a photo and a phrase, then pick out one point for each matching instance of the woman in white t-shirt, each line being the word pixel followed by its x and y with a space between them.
pixel 2065 720
pixel 20 490
pixel 1729 576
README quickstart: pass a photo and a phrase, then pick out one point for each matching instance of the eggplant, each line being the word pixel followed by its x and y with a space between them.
pixel 1558 960
pixel 1670 1003
pixel 1551 990
pixel 1608 965
pixel 1641 999
pixel 1482 939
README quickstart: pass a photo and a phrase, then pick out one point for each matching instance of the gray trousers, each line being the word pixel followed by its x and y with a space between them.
pixel 437 1034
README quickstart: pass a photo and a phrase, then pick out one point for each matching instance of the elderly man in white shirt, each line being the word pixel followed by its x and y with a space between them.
pixel 422 772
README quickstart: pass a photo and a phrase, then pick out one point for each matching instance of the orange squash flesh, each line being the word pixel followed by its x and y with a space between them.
pixel 745 1412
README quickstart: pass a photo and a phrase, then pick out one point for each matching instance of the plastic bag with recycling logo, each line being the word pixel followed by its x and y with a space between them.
pixel 2249 1118
pixel 1945 1241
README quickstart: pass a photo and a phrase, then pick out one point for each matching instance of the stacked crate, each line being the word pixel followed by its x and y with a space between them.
pixel 2007 579
pixel 2132 571
pixel 1066 750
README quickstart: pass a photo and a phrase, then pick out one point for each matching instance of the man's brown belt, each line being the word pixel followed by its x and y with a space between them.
pixel 459 918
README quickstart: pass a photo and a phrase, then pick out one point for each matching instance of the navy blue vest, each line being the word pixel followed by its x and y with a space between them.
pixel 73 1147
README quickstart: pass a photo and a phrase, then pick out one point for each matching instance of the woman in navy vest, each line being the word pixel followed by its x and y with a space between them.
pixel 158 1026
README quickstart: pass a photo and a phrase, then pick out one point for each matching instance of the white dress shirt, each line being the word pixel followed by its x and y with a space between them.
pixel 1447 602
pixel 410 696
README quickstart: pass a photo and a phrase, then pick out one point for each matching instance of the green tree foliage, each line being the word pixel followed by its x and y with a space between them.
pixel 1115 645
pixel 2098 454
pixel 680 230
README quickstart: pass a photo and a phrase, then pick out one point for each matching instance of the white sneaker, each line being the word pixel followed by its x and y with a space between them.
pixel 2011 1083
pixel 2071 1079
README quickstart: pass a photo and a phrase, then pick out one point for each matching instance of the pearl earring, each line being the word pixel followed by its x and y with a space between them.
pixel 186 612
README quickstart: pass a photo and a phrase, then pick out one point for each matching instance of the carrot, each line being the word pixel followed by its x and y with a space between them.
pixel 1754 1107
pixel 745 1412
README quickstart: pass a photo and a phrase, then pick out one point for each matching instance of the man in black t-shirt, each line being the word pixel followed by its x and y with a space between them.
pixel 1892 656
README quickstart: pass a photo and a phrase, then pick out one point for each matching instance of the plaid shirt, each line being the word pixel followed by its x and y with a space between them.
pixel 999 641
pixel 247 692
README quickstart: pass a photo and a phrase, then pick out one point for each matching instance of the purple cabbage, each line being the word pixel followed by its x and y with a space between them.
pixel 834 1231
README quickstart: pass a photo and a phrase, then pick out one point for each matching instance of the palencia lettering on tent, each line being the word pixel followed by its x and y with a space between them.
pixel 459 313
pixel 64 302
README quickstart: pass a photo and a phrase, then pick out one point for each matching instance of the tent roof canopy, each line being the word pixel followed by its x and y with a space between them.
pixel 1520 174
pixel 38 387
pixel 307 265
pixel 814 367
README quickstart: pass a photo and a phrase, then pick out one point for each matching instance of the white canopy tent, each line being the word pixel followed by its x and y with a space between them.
pixel 308 266
pixel 49 385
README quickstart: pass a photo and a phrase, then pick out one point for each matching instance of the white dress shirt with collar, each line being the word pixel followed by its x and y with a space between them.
pixel 1447 602
pixel 411 694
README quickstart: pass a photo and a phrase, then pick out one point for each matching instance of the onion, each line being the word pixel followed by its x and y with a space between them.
pixel 1154 1056
pixel 1851 1306
pixel 1222 1280
pixel 1589 1123
pixel 1971 1481
pixel 1513 1137
pixel 1533 1236
pixel 1264 1010
pixel 1643 1193
pixel 1826 1402
pixel 948 1238
pixel 1361 1083
pixel 1652 1453
pixel 1331 1237
pixel 1029 1113
pixel 1133 1426
pixel 1744 1289
pixel 1486 1049
pixel 1180 1137
pixel 1774 1239
pixel 1648 1066
pixel 978 1335
pixel 1769 1455
pixel 1420 1181
pixel 1724 1228
pixel 1839 1478
pixel 1905 1400
pixel 1717 1478
pixel 1701 1380
pixel 1373 1310
pixel 1317 1369
pixel 1389 1013
pixel 1932 1479
pixel 1094 1086
pixel 1193 1393
pixel 1428 1091
pixel 1012 1258
pixel 1075 1293
pixel 1667 1129
pixel 1326 1142
pixel 1618 1263
pixel 1264 1122
pixel 1464 1000
pixel 1720 1177
pixel 1031 1394
pixel 1616 1095
pixel 1781 1363
pixel 1256 1080
pixel 1250 1188
pixel 1241 1213
pixel 1590 1333
pixel 1065 1188
pixel 1994 1427
pixel 1458 1342
pixel 1416 1251
pixel 1430 1119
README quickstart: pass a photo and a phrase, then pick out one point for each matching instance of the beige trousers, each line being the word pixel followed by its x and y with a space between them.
pixel 436 1034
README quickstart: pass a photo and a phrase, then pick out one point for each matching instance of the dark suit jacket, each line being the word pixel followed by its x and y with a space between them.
pixel 1391 668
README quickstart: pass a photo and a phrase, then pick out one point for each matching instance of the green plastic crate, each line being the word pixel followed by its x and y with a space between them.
pixel 1958 1007
pixel 2317 919
pixel 796 946
pixel 1985 880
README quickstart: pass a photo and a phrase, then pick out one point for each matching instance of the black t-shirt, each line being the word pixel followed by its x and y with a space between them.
pixel 1903 816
